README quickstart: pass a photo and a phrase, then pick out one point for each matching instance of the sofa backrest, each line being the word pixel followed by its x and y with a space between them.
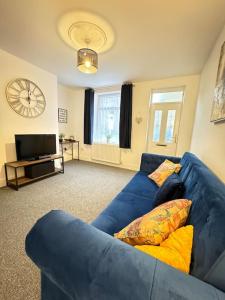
pixel 207 213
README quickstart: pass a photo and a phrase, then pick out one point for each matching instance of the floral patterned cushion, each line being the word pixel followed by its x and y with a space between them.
pixel 154 227
pixel 166 169
pixel 174 251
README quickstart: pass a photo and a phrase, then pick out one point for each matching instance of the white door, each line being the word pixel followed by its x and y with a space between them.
pixel 164 128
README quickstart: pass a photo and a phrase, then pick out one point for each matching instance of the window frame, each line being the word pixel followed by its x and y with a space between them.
pixel 167 90
pixel 97 94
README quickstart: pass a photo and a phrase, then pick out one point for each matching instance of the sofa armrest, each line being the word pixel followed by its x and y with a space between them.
pixel 150 162
pixel 85 263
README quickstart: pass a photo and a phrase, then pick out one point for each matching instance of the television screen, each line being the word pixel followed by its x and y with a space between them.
pixel 32 146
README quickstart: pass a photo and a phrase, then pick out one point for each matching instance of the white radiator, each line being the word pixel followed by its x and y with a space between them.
pixel 106 153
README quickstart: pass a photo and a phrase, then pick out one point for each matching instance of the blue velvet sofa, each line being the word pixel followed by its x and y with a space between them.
pixel 84 262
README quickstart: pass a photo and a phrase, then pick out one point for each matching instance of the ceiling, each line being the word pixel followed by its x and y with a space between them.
pixel 153 38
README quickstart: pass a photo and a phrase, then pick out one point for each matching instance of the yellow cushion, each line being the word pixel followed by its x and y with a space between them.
pixel 174 251
pixel 155 226
pixel 166 169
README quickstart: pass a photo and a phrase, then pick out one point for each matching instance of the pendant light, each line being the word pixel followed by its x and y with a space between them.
pixel 87 61
pixel 87 33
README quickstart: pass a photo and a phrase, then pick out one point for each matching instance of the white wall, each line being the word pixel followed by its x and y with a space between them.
pixel 208 140
pixel 141 98
pixel 66 100
pixel 10 122
pixel 73 100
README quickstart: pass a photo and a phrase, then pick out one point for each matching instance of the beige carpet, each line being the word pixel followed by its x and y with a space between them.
pixel 84 190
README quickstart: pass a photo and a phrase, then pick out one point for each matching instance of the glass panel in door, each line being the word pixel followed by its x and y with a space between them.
pixel 163 128
pixel 157 125
pixel 169 134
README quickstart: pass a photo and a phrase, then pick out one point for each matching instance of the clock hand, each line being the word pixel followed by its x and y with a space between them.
pixel 28 98
pixel 25 98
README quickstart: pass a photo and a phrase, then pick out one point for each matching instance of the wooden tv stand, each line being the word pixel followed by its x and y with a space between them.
pixel 17 182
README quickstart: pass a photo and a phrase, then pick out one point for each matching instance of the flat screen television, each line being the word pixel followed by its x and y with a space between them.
pixel 34 146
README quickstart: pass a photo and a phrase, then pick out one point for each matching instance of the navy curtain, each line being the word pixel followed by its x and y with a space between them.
pixel 126 116
pixel 88 116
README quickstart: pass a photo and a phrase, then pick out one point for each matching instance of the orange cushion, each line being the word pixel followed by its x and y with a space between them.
pixel 155 226
pixel 174 251
pixel 166 169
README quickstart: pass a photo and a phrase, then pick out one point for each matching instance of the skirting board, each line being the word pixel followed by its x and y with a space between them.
pixel 2 182
pixel 132 167
pixel 85 158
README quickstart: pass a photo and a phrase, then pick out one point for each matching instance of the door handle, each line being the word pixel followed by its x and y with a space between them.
pixel 161 145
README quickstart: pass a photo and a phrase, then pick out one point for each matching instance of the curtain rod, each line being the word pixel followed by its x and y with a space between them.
pixel 109 87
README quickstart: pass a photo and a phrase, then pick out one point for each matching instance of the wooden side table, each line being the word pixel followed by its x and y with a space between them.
pixel 70 143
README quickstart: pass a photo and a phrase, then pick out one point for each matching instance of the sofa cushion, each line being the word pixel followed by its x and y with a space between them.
pixel 155 226
pixel 166 169
pixel 207 214
pixel 142 186
pixel 125 208
pixel 135 200
pixel 172 188
pixel 150 162
pixel 174 251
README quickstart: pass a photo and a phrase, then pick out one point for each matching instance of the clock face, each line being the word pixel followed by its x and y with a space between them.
pixel 25 97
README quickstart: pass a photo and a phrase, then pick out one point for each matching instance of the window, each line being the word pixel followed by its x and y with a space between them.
pixel 106 118
pixel 171 116
pixel 166 97
pixel 157 126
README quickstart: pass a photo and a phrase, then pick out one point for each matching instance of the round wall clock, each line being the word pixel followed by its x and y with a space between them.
pixel 25 98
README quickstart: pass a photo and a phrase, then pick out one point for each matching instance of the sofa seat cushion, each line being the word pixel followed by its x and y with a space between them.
pixel 125 208
pixel 142 186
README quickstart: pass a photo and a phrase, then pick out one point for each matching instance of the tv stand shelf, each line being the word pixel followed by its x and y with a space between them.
pixel 17 182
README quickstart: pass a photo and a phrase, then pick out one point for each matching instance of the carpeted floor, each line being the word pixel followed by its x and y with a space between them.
pixel 84 190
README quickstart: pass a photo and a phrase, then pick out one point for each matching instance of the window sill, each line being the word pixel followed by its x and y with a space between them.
pixel 106 144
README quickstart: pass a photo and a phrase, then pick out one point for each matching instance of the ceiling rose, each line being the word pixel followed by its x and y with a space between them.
pixel 87 34
pixel 80 29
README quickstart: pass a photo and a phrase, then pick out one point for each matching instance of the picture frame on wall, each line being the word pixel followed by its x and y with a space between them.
pixel 62 115
pixel 218 108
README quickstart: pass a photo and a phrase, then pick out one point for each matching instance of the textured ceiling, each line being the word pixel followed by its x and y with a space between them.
pixel 154 38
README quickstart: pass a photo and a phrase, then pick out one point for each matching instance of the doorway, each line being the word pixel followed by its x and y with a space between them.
pixel 164 121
